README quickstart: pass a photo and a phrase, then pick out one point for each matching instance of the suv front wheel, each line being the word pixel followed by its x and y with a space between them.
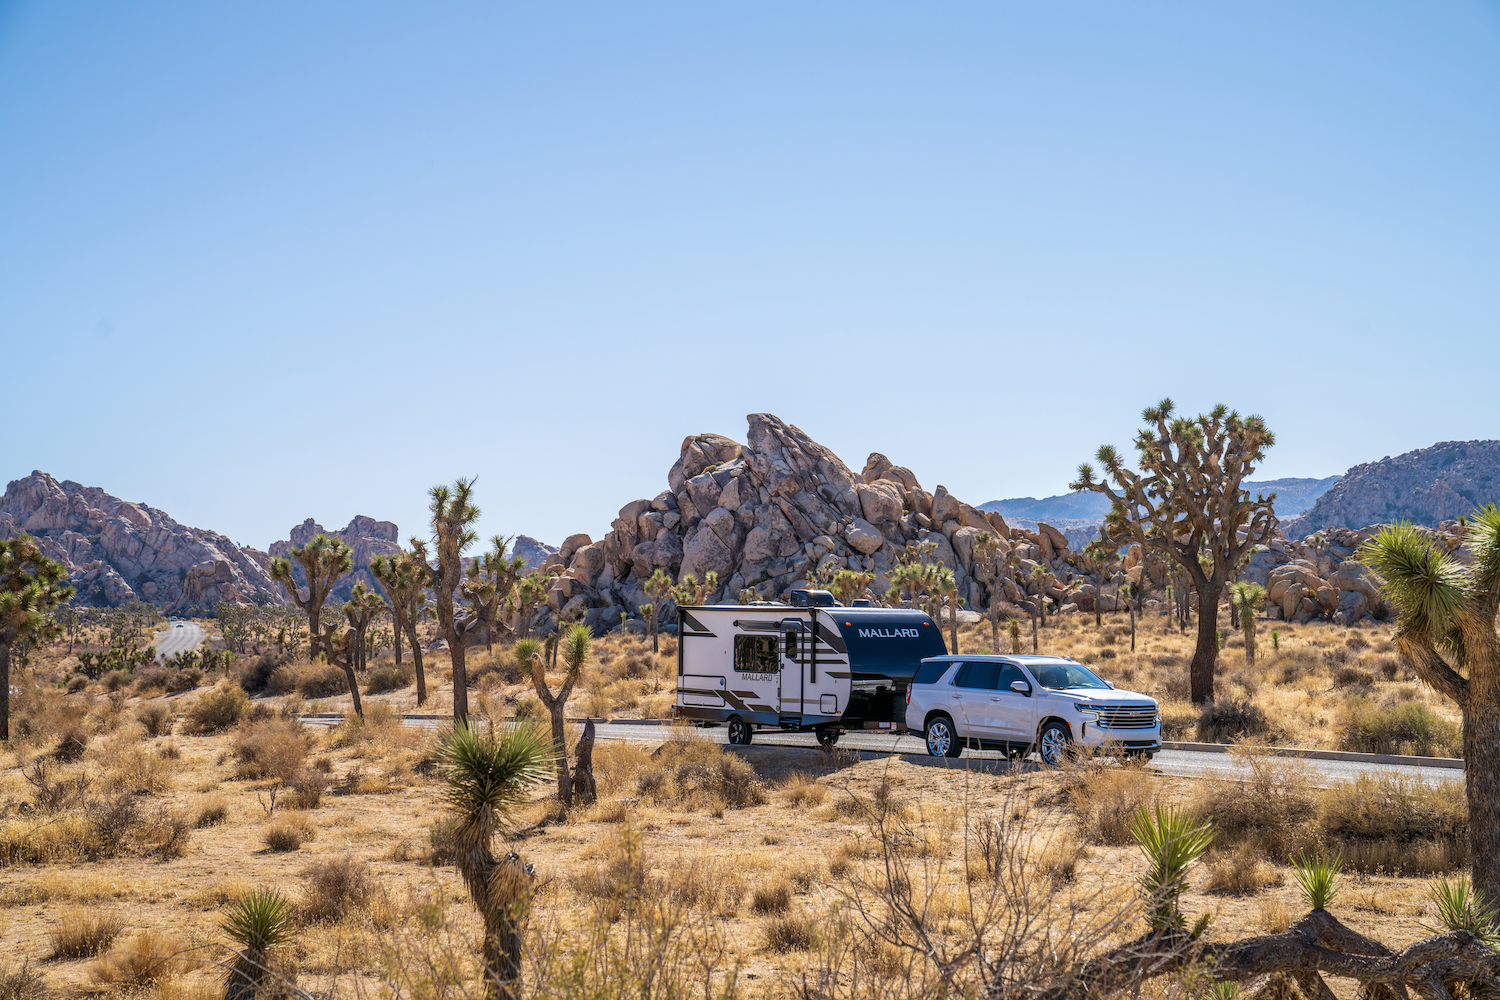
pixel 942 740
pixel 1053 743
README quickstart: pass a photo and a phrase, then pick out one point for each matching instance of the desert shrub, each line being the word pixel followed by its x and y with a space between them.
pixel 618 875
pixel 388 677
pixel 114 680
pixel 321 680
pixel 82 933
pixel 1393 823
pixel 1228 719
pixel 288 833
pixel 151 679
pixel 790 932
pixel 22 984
pixel 1352 677
pixel 305 790
pixel 694 771
pixel 136 769
pixel 705 884
pixel 1271 807
pixel 256 674
pixel 441 850
pixel 773 898
pixel 1409 727
pixel 211 810
pixel 1105 798
pixel 334 888
pixel 1338 656
pixel 1240 872
pixel 156 717
pixel 530 707
pixel 77 683
pixel 283 680
pixel 803 790
pixel 184 680
pixel 71 745
pixel 272 748
pixel 1389 667
pixel 215 710
pixel 147 958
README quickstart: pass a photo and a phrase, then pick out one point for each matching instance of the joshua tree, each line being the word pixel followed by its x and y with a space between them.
pixel 364 604
pixel 1015 636
pixel 993 560
pixel 31 585
pixel 1127 591
pixel 323 561
pixel 847 585
pixel 1187 501
pixel 257 923
pixel 575 643
pixel 452 515
pixel 489 584
pixel 405 578
pixel 1248 597
pixel 1101 558
pixel 531 590
pixel 947 586
pixel 659 586
pixel 1039 577
pixel 1445 628
pixel 487 777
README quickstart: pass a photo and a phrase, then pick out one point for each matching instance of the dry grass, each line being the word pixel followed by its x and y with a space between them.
pixel 83 933
pixel 1105 797
pixel 1242 871
pixel 144 959
pixel 288 832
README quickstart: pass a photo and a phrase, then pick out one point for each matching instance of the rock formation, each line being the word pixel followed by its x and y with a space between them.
pixel 763 513
pixel 1426 487
pixel 365 535
pixel 534 552
pixel 117 551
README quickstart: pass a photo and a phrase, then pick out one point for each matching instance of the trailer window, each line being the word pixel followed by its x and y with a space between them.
pixel 756 654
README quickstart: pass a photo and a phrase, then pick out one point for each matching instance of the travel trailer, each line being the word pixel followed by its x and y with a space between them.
pixel 807 665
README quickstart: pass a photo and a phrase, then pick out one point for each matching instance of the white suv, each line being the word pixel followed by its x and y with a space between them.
pixel 1018 704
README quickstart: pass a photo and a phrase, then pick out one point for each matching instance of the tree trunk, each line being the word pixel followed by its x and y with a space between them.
pixel 953 613
pixel 1033 632
pixel 416 659
pixel 460 679
pixel 4 692
pixel 1482 788
pixel 1130 606
pixel 1206 655
pixel 1099 601
pixel 505 922
pixel 995 625
pixel 560 740
pixel 348 666
pixel 585 792
pixel 396 637
pixel 654 646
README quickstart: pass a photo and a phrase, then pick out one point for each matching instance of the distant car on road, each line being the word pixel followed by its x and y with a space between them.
pixel 1017 704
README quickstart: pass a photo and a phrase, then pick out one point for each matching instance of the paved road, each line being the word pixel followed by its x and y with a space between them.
pixel 1178 762
pixel 178 637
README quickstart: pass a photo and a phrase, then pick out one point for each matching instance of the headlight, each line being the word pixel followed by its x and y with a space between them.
pixel 1086 712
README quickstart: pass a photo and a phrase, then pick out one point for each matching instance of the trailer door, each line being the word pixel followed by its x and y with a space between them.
pixel 794 644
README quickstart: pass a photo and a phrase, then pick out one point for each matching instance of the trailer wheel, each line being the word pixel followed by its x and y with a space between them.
pixel 942 741
pixel 739 731
pixel 827 738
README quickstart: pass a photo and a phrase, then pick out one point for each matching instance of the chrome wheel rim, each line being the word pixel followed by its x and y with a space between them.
pixel 939 739
pixel 736 731
pixel 1054 745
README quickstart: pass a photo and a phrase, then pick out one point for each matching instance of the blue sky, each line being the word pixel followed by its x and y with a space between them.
pixel 260 262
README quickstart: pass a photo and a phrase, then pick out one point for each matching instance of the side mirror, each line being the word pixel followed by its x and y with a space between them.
pixel 1021 687
pixel 1111 685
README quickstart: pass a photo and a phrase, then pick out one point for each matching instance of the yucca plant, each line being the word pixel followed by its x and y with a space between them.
pixel 1247 598
pixel 1318 878
pixel 1445 628
pixel 1172 839
pixel 487 776
pixel 1461 907
pixel 575 644
pixel 258 923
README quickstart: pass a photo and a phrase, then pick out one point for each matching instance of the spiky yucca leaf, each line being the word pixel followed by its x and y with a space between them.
pixel 493 770
pixel 524 650
pixel 1461 907
pixel 1483 537
pixel 1172 839
pixel 575 645
pixel 1426 585
pixel 260 921
pixel 1318 878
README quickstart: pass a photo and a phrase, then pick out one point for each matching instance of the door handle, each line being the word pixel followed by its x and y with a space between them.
pixel 958 697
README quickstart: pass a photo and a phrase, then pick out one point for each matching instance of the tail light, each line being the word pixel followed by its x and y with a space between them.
pixel 908 694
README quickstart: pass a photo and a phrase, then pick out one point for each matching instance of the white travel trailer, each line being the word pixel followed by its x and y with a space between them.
pixel 807 665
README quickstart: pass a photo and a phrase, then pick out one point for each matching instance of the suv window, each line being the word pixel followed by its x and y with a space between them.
pixel 978 675
pixel 1010 672
pixel 931 673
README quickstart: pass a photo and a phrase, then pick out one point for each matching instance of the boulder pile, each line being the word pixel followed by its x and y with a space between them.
pixel 117 551
pixel 365 535
pixel 763 514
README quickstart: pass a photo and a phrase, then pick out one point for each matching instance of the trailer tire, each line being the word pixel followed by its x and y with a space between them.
pixel 942 738
pixel 740 733
pixel 827 737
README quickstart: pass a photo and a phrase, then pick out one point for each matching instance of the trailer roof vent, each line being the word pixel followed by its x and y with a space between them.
pixel 860 602
pixel 813 599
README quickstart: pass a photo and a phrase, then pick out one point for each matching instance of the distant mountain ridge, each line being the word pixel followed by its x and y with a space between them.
pixel 1426 486
pixel 1293 496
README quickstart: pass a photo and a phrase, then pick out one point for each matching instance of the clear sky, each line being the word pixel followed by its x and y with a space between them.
pixel 261 261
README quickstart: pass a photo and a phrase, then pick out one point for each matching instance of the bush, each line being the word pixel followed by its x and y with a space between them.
pixel 22 984
pixel 71 745
pixel 83 933
pixel 321 680
pixel 149 957
pixel 215 710
pixel 389 677
pixel 114 680
pixel 77 683
pixel 212 810
pixel 1228 720
pixel 1269 807
pixel 272 748
pixel 774 898
pixel 184 680
pixel 156 717
pixel 255 675
pixel 152 679
pixel 335 888
pixel 790 933
pixel 283 836
pixel 1105 799
pixel 1408 728
pixel 1242 872
pixel 695 771
pixel 305 790
pixel 1396 824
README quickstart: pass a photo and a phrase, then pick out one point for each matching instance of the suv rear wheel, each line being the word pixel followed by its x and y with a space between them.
pixel 942 739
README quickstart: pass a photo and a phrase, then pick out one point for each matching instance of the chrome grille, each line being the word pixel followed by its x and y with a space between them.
pixel 1125 716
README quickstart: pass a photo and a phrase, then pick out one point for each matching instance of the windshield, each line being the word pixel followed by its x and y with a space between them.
pixel 1062 676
